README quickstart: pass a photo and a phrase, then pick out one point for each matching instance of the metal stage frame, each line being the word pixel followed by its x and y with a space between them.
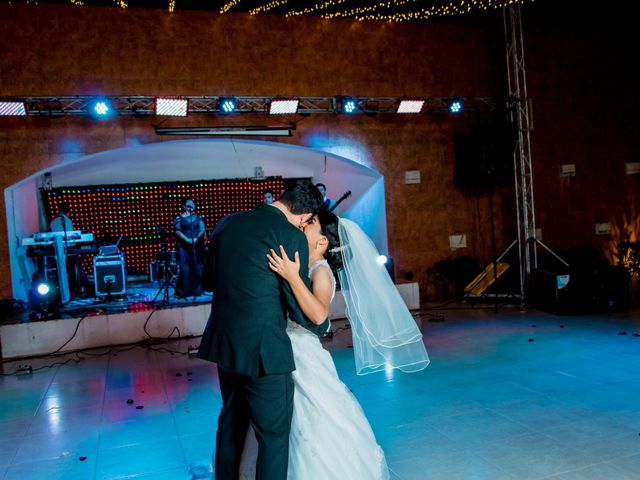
pixel 146 105
pixel 521 110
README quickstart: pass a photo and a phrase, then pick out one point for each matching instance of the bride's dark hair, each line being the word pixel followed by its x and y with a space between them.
pixel 329 228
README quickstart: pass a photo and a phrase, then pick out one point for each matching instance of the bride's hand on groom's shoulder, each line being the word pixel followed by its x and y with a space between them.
pixel 283 265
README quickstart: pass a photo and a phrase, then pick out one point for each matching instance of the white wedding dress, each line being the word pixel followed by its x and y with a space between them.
pixel 330 438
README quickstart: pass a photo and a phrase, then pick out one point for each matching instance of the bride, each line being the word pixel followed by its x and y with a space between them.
pixel 330 436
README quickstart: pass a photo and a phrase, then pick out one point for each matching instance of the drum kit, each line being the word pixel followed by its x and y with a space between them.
pixel 165 265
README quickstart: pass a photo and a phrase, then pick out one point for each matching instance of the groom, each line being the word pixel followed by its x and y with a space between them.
pixel 246 333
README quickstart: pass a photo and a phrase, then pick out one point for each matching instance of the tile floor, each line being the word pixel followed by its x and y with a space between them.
pixel 492 405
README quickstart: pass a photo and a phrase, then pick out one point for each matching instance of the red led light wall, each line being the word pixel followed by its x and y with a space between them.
pixel 142 212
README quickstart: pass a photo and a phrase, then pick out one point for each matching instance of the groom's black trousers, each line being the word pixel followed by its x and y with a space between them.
pixel 267 402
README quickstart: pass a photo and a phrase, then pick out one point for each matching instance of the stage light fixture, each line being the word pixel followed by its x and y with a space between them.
pixel 172 107
pixel 43 299
pixel 227 105
pixel 455 106
pixel 410 106
pixel 100 108
pixel 388 264
pixel 348 105
pixel 12 109
pixel 280 106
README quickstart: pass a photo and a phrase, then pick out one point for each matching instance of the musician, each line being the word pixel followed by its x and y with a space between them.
pixel 268 197
pixel 62 223
pixel 75 273
pixel 189 228
pixel 327 203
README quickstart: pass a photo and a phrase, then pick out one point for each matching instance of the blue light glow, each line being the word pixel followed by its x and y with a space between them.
pixel 101 108
pixel 227 105
pixel 456 106
pixel 349 105
pixel 340 146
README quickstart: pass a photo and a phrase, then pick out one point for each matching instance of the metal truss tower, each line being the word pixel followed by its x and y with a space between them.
pixel 520 109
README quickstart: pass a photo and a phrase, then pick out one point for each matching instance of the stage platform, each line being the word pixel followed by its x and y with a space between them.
pixel 144 312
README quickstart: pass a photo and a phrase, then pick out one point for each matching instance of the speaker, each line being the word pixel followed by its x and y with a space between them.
pixel 602 290
pixel 484 157
pixel 108 275
pixel 553 292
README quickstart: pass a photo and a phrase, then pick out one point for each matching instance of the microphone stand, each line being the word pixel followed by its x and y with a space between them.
pixel 193 254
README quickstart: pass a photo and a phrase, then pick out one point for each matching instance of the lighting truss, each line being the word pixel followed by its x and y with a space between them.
pixel 146 105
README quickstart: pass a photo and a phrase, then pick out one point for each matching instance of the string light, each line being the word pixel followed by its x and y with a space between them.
pixel 386 10
pixel 459 7
pixel 227 6
pixel 316 7
pixel 361 10
pixel 268 6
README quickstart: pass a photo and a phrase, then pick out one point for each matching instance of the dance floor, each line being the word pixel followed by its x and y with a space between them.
pixel 508 395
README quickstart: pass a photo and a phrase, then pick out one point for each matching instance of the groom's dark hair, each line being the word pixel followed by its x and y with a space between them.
pixel 301 196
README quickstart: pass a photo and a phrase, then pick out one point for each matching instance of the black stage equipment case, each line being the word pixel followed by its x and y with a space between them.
pixel 108 275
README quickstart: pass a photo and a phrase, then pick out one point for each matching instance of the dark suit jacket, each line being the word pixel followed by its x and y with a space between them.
pixel 246 332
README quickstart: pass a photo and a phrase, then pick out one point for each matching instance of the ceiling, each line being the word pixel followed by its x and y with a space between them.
pixel 393 10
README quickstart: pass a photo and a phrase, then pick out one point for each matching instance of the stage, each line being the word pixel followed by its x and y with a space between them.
pixel 145 312
pixel 508 396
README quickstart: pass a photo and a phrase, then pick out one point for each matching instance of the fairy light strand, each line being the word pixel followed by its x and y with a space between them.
pixel 371 8
pixel 229 5
pixel 316 8
pixel 459 7
pixel 268 6
pixel 387 10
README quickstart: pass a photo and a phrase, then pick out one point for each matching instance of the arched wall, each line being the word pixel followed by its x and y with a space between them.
pixel 183 160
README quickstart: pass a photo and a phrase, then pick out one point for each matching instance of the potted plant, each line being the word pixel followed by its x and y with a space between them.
pixel 628 255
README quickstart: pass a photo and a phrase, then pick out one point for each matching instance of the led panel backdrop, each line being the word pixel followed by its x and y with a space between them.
pixel 142 212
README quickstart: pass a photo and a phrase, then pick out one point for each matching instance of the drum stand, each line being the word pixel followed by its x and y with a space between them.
pixel 168 278
pixel 169 275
